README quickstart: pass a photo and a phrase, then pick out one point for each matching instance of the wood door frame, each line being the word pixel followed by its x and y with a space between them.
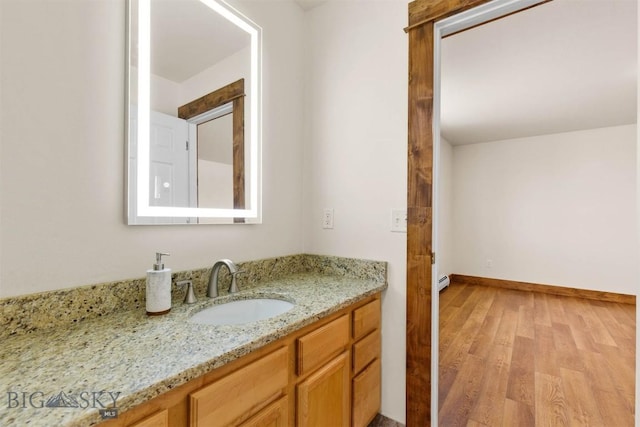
pixel 422 16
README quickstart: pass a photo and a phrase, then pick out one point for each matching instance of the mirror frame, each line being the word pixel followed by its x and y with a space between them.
pixel 254 133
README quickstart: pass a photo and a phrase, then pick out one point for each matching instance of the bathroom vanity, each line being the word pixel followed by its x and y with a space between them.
pixel 325 374
pixel 67 361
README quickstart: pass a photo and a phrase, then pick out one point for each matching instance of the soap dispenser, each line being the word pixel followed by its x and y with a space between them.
pixel 158 288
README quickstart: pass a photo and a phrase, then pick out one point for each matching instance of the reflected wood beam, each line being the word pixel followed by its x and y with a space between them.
pixel 212 100
pixel 238 156
pixel 233 92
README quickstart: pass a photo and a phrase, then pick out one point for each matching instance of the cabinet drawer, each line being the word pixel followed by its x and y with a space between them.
pixel 366 395
pixel 366 319
pixel 319 346
pixel 159 419
pixel 274 415
pixel 365 350
pixel 241 392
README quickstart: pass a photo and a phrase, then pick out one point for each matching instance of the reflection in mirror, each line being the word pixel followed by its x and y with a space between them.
pixel 193 113
pixel 219 120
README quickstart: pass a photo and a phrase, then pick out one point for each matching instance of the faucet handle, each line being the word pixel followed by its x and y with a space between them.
pixel 189 296
pixel 233 287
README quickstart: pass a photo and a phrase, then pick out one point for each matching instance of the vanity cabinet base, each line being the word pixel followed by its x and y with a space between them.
pixel 327 373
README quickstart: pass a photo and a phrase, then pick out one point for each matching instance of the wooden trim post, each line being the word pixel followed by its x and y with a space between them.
pixel 422 16
pixel 419 226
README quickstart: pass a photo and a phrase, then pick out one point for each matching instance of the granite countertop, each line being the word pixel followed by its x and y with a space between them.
pixel 129 358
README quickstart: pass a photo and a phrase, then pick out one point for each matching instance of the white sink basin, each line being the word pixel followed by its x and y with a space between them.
pixel 242 311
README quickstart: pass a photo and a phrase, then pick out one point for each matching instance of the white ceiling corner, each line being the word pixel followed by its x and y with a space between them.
pixel 562 66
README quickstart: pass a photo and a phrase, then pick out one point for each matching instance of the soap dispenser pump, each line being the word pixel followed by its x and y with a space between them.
pixel 158 288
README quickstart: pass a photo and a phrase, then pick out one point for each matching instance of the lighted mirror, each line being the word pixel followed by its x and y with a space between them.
pixel 193 113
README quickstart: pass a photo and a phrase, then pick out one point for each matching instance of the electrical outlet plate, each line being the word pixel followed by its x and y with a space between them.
pixel 327 218
pixel 399 220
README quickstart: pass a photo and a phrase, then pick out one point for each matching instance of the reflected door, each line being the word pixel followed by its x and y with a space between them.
pixel 169 167
pixel 171 180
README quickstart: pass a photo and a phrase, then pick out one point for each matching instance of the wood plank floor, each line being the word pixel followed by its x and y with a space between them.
pixel 514 358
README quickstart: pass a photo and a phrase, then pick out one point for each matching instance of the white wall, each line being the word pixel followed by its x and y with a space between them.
pixel 164 94
pixel 234 67
pixel 215 184
pixel 555 209
pixel 355 159
pixel 62 167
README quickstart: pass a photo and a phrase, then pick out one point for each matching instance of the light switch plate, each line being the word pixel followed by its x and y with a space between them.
pixel 399 220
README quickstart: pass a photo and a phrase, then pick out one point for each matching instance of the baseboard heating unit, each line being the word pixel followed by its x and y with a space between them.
pixel 443 282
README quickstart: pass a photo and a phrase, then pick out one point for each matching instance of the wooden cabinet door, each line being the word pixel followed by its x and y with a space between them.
pixel 366 395
pixel 324 397
pixel 159 419
pixel 274 415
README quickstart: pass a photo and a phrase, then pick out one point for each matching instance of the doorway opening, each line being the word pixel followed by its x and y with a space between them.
pixel 424 119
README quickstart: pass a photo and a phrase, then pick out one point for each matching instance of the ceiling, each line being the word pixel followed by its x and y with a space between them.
pixel 309 4
pixel 562 66
pixel 188 37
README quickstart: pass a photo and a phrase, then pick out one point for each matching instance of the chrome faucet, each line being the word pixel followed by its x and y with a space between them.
pixel 212 289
